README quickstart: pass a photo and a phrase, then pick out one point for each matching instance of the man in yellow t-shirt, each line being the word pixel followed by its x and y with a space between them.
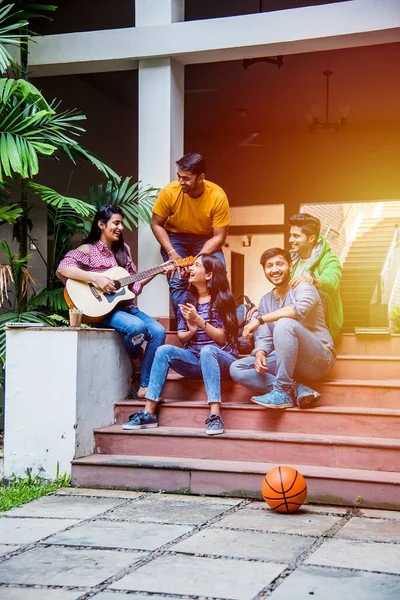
pixel 190 216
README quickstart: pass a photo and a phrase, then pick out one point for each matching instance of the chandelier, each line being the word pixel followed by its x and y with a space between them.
pixel 314 119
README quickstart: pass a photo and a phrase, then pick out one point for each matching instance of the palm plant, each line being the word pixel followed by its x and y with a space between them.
pixel 31 128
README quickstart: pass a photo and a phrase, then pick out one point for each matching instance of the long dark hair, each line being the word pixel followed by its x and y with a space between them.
pixel 104 214
pixel 221 297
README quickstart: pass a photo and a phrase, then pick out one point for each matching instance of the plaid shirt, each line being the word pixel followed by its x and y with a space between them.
pixel 99 259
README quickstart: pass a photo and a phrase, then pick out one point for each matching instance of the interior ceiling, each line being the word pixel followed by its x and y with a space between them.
pixel 264 98
pixel 224 98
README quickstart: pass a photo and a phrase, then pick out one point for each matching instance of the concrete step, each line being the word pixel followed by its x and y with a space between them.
pixel 366 367
pixel 360 421
pixel 367 274
pixel 378 454
pixel 326 485
pixel 364 249
pixel 354 293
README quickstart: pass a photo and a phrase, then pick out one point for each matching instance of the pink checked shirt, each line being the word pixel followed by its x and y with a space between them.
pixel 99 259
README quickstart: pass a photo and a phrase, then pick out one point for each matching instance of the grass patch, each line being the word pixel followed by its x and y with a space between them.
pixel 24 489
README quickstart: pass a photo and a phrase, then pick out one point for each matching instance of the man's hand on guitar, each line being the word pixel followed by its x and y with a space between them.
pixel 169 267
pixel 174 256
pixel 104 283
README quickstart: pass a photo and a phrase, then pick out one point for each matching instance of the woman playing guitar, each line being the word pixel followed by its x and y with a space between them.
pixel 103 249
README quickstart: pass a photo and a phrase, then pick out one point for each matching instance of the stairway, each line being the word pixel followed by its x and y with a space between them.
pixel 348 448
pixel 363 265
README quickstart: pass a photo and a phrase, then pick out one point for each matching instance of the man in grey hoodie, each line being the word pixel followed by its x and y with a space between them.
pixel 292 342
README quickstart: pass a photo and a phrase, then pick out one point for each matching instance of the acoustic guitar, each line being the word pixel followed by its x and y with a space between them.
pixel 96 304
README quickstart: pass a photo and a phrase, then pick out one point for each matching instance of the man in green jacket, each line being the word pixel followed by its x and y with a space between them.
pixel 314 262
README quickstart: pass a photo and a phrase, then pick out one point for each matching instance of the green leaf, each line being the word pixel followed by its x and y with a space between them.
pixel 9 214
pixel 57 200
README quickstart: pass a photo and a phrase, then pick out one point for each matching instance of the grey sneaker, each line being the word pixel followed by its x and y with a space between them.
pixel 305 396
pixel 215 425
pixel 141 420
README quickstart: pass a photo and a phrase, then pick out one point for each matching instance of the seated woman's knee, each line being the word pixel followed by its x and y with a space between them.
pixel 208 350
pixel 158 331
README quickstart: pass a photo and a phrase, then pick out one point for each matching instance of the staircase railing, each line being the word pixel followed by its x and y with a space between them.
pixel 389 270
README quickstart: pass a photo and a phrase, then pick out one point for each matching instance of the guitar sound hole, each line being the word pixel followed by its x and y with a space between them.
pixel 117 284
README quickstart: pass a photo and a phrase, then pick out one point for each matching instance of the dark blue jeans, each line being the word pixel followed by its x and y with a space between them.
pixel 186 244
pixel 136 327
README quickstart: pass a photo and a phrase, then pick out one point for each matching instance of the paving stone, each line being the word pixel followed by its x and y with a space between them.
pixel 115 534
pixel 169 511
pixel 65 566
pixel 189 499
pixel 26 531
pixel 268 520
pixel 122 596
pixel 373 556
pixel 98 493
pixel 6 548
pixel 279 547
pixel 380 514
pixel 306 508
pixel 65 507
pixel 377 530
pixel 331 584
pixel 35 594
pixel 222 578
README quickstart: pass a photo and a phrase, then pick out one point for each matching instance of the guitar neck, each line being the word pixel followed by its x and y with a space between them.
pixel 139 276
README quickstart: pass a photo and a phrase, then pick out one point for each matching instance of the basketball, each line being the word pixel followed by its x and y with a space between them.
pixel 284 489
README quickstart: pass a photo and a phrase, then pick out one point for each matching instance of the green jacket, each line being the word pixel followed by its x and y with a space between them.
pixel 326 267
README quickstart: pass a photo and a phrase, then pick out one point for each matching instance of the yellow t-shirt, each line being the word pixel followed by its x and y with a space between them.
pixel 192 215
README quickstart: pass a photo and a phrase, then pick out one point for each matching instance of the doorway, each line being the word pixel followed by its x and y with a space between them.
pixel 237 274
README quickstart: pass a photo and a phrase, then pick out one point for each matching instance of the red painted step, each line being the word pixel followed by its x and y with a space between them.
pixel 336 451
pixel 326 485
pixel 368 344
pixel 345 392
pixel 330 420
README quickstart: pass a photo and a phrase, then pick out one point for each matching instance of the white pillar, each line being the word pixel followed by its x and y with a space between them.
pixel 161 106
pixel 158 12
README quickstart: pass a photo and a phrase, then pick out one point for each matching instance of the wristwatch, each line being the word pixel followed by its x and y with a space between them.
pixel 260 320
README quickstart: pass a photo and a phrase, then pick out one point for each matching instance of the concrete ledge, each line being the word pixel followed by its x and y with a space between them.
pixel 61 384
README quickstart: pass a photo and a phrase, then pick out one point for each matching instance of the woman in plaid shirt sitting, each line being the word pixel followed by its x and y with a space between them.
pixel 102 249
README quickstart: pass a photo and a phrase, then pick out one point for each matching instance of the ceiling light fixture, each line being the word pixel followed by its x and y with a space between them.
pixel 314 120
pixel 275 60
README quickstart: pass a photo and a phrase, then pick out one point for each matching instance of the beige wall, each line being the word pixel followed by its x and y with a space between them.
pixel 255 283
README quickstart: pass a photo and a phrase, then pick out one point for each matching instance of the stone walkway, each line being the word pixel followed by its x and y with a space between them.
pixel 115 545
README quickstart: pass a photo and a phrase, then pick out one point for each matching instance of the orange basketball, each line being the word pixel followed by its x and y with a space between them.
pixel 284 489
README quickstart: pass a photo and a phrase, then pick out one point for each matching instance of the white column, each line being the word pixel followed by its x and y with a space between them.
pixel 161 106
pixel 158 12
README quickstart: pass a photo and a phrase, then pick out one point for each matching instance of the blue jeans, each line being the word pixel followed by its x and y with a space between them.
pixel 212 366
pixel 186 244
pixel 137 327
pixel 298 355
